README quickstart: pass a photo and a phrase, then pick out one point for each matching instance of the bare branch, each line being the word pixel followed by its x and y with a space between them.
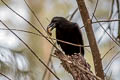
pixel 107 33
pixel 102 21
pixel 5 76
pixel 107 52
pixel 30 49
pixel 95 9
pixel 48 37
pixel 108 68
pixel 49 60
pixel 91 38
pixel 35 15
pixel 77 66
pixel 73 14
pixel 102 36
pixel 111 60
pixel 111 13
pixel 37 19
pixel 30 25
pixel 112 20
pixel 118 11
pixel 110 76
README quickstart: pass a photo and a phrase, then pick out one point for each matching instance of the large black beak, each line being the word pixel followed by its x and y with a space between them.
pixel 50 27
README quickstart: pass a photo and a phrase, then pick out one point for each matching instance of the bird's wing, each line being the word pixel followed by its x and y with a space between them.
pixel 79 38
pixel 78 32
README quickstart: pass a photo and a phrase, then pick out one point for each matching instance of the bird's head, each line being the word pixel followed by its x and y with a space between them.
pixel 55 23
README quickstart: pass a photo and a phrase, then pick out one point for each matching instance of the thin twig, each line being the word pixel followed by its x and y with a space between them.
pixel 102 36
pixel 112 39
pixel 111 60
pixel 112 20
pixel 108 69
pixel 62 40
pixel 49 76
pixel 110 65
pixel 49 60
pixel 107 32
pixel 45 71
pixel 37 19
pixel 95 8
pixel 110 16
pixel 73 14
pixel 22 31
pixel 110 76
pixel 29 49
pixel 118 12
pixel 47 19
pixel 5 76
pixel 102 21
pixel 29 23
pixel 111 13
pixel 35 15
pixel 47 37
pixel 107 52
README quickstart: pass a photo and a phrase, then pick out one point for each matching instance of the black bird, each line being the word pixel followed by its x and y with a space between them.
pixel 69 32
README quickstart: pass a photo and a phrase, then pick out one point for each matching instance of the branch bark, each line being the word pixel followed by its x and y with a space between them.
pixel 91 38
pixel 77 66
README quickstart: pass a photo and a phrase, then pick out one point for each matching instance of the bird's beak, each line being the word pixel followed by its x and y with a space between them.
pixel 50 27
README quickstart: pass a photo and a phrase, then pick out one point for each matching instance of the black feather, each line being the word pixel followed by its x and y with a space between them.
pixel 70 32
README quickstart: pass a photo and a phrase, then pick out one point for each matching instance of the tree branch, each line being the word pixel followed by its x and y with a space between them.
pixel 77 66
pixel 91 38
pixel 5 76
pixel 40 60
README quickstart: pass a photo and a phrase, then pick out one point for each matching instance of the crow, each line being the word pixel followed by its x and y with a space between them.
pixel 69 32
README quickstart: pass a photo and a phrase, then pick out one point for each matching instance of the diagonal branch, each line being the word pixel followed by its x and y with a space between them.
pixel 35 15
pixel 107 52
pixel 5 76
pixel 29 49
pixel 91 38
pixel 47 37
pixel 71 17
pixel 29 23
pixel 95 9
pixel 37 19
pixel 107 32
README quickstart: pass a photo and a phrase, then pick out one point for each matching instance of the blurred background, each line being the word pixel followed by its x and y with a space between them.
pixel 18 63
